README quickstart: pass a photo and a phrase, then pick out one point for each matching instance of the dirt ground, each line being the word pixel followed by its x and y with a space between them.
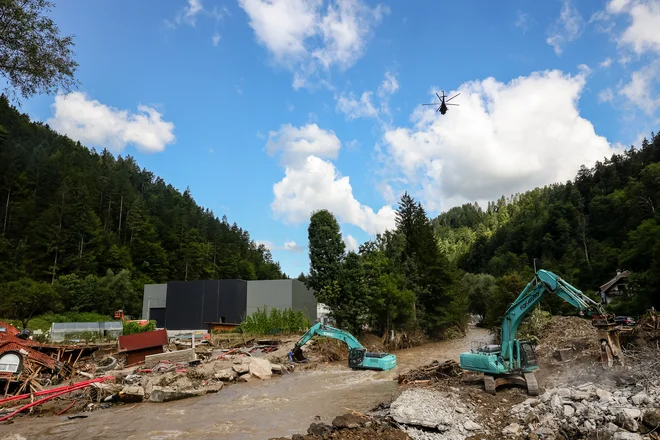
pixel 495 414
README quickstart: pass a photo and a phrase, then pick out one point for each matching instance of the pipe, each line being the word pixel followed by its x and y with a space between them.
pixel 55 390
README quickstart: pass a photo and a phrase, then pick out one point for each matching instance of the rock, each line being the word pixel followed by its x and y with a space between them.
pixel 556 402
pixel 166 394
pixel 132 379
pixel 214 387
pixel 347 421
pixel 581 395
pixel 532 402
pixel 604 395
pixel 622 435
pixel 276 368
pixel 651 418
pixel 640 399
pixel 626 419
pixel 241 368
pixel 319 429
pixel 568 410
pixel 132 394
pixel 244 378
pixel 513 428
pixel 422 407
pixel 260 368
pixel 226 375
pixel 469 425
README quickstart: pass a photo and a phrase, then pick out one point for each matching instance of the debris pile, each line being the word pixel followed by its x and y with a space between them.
pixel 351 426
pixel 431 373
pixel 622 413
pixel 429 414
pixel 568 332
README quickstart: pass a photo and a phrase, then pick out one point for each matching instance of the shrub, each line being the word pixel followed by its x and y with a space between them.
pixel 135 327
pixel 276 321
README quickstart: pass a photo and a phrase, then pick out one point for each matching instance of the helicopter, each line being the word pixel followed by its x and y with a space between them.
pixel 443 104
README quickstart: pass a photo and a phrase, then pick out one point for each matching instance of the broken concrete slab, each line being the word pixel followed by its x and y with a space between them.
pixel 171 356
pixel 241 368
pixel 261 368
pixel 132 394
pixel 167 394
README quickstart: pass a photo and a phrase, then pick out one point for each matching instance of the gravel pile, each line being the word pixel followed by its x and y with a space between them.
pixel 587 411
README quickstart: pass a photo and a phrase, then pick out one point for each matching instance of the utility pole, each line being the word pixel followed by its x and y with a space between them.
pixel 4 227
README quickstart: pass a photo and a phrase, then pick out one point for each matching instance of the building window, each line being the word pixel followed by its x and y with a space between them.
pixel 9 363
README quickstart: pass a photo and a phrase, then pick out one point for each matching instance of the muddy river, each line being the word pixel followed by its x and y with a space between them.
pixel 282 406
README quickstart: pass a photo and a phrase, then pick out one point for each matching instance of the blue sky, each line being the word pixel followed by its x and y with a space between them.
pixel 268 110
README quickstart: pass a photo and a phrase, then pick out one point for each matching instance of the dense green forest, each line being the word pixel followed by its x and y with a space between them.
pixel 584 230
pixel 83 231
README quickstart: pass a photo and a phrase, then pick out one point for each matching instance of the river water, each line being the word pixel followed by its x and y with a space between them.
pixel 282 406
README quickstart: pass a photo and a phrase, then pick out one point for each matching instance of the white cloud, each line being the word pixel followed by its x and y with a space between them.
pixel 504 138
pixel 292 246
pixel 522 21
pixel 309 39
pixel 568 27
pixel 642 35
pixel 389 86
pixel 215 39
pixel 606 95
pixel 640 90
pixel 93 123
pixel 606 62
pixel 312 182
pixel 191 11
pixel 364 107
pixel 298 144
pixel 351 243
pixel 353 108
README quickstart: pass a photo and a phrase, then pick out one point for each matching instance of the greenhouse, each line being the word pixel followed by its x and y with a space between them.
pixel 68 331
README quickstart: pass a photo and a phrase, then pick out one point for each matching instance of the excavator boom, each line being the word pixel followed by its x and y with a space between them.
pixel 358 356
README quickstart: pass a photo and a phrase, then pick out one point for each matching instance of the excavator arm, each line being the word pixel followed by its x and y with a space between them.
pixel 544 282
pixel 358 357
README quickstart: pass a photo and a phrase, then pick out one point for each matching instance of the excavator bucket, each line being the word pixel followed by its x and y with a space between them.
pixel 297 355
pixel 610 348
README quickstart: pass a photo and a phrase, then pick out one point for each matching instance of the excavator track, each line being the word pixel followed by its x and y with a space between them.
pixel 532 384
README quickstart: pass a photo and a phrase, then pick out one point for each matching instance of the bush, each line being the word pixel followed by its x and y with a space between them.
pixel 131 327
pixel 277 321
pixel 534 325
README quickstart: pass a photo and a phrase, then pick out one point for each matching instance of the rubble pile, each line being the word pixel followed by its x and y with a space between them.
pixel 430 414
pixel 431 373
pixel 166 382
pixel 351 426
pixel 575 412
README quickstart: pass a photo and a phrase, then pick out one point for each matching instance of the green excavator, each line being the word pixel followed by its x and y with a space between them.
pixel 514 361
pixel 358 356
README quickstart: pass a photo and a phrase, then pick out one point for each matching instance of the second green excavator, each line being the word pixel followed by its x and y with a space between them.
pixel 358 356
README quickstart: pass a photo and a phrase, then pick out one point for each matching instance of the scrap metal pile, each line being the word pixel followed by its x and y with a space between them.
pixel 29 366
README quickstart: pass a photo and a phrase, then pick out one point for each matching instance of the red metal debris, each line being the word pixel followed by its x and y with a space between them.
pixel 139 345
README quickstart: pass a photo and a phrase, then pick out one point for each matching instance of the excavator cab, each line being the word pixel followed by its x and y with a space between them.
pixel 528 355
pixel 356 357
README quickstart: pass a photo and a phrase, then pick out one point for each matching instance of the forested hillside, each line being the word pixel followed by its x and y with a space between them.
pixel 607 218
pixel 82 230
pixel 583 230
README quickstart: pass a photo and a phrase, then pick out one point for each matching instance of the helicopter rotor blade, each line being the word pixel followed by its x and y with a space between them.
pixel 431 104
pixel 453 104
pixel 436 94
pixel 453 97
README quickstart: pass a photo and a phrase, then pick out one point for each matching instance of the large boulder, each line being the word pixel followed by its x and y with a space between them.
pixel 166 394
pixel 260 368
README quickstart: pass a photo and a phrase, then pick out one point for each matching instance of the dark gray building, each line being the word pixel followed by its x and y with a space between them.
pixel 193 305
